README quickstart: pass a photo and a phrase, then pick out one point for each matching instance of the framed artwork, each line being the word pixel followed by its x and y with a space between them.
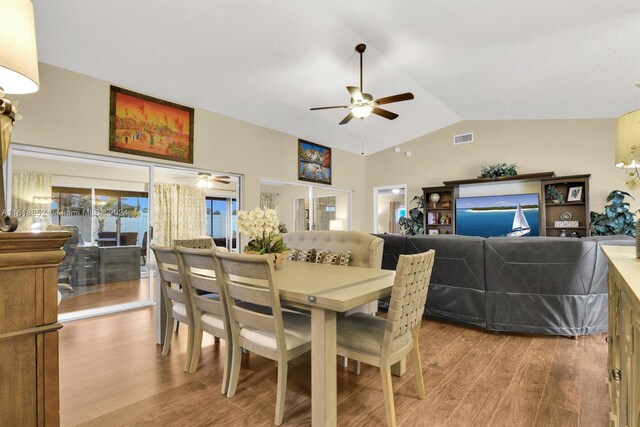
pixel 314 162
pixel 575 194
pixel 147 126
pixel 433 232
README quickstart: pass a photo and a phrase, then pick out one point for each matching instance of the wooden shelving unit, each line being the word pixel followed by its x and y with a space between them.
pixel 551 212
pixel 439 219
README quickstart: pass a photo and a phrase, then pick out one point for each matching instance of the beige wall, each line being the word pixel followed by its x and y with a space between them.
pixel 567 147
pixel 71 112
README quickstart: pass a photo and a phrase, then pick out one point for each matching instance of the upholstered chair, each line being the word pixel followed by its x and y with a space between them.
pixel 384 342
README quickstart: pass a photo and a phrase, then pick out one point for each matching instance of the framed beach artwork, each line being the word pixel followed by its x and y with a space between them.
pixel 314 162
pixel 147 126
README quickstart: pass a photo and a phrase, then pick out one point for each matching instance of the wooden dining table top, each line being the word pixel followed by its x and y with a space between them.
pixel 332 287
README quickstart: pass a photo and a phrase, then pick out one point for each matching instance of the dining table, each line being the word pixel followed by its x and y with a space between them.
pixel 326 290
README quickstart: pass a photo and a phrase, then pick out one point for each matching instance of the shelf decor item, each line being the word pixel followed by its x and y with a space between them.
pixel 261 226
pixel 435 198
pixel 575 194
pixel 553 194
pixel 498 170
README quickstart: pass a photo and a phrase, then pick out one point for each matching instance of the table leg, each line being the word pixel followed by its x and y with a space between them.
pixel 323 368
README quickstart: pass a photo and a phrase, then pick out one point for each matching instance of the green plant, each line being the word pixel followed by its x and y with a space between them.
pixel 414 224
pixel 616 218
pixel 552 193
pixel 498 170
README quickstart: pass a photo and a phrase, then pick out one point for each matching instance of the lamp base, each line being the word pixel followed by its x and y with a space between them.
pixel 8 224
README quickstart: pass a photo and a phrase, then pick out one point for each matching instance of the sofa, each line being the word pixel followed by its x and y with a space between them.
pixel 366 249
pixel 543 285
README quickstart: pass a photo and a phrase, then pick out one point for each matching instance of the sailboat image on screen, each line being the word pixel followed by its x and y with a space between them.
pixel 520 225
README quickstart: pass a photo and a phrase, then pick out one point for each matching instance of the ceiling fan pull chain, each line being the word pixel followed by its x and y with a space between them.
pixel 362 136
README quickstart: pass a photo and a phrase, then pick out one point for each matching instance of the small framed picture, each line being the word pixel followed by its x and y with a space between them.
pixel 434 232
pixel 575 194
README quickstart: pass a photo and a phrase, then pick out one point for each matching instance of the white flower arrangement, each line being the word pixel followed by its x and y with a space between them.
pixel 261 226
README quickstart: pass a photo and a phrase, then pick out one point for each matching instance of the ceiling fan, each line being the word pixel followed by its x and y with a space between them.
pixel 363 104
pixel 206 180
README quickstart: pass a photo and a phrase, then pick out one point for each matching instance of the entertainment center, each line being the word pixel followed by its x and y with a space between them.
pixel 525 214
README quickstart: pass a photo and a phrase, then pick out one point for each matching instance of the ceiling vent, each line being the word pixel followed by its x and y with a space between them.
pixel 464 138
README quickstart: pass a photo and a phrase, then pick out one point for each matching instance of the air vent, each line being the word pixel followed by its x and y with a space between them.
pixel 464 138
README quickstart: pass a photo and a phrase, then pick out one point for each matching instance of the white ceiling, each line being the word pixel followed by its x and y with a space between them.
pixel 269 61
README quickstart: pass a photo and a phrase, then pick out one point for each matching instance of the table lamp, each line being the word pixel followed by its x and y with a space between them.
pixel 18 75
pixel 336 224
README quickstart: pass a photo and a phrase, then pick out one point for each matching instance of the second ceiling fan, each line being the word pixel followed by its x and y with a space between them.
pixel 363 104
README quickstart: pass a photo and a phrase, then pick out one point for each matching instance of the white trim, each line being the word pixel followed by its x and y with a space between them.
pixel 101 311
pixel 376 190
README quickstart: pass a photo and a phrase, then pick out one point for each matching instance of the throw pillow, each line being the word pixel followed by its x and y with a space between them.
pixel 337 259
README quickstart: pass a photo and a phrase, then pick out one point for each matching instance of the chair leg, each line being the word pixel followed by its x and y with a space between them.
pixel 190 338
pixel 195 349
pixel 168 333
pixel 356 367
pixel 387 388
pixel 235 370
pixel 227 365
pixel 282 390
pixel 417 366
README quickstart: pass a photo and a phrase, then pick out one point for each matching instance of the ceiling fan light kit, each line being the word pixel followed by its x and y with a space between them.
pixel 362 104
pixel 206 180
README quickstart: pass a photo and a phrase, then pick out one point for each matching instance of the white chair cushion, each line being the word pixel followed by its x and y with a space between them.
pixel 297 332
pixel 212 320
pixel 365 333
pixel 180 309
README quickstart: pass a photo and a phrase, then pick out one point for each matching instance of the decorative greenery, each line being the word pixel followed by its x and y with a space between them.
pixel 498 170
pixel 616 219
pixel 552 193
pixel 261 226
pixel 414 224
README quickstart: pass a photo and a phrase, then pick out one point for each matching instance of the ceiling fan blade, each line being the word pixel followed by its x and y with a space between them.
pixel 346 119
pixel 384 113
pixel 221 181
pixel 326 108
pixel 222 177
pixel 395 98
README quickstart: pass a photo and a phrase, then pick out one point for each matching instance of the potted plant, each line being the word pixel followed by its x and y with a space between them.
pixel 261 226
pixel 553 194
pixel 414 224
pixel 616 218
pixel 498 170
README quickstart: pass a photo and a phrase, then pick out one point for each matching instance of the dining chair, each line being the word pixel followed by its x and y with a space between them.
pixel 207 307
pixel 384 342
pixel 176 302
pixel 275 334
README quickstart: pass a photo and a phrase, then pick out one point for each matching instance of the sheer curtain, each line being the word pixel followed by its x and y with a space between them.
pixel 179 213
pixel 394 226
pixel 31 198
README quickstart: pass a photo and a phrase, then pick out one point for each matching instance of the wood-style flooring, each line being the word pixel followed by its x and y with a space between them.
pixel 113 374
pixel 95 296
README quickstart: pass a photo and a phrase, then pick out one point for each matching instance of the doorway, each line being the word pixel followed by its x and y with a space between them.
pixel 389 205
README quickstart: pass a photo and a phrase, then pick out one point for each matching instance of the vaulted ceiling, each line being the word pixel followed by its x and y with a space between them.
pixel 268 61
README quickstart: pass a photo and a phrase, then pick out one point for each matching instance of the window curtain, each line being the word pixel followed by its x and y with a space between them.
pixel 269 200
pixel 179 213
pixel 394 226
pixel 302 215
pixel 31 198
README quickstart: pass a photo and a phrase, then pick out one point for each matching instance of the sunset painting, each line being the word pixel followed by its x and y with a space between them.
pixel 147 126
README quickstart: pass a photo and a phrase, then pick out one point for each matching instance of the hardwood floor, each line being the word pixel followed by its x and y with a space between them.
pixel 94 296
pixel 113 374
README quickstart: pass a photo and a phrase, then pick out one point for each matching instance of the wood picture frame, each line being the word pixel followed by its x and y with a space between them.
pixel 574 194
pixel 151 127
pixel 314 162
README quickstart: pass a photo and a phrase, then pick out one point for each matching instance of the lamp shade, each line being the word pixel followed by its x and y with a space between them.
pixel 18 54
pixel 627 136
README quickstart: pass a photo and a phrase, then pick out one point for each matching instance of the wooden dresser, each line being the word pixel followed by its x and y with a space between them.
pixel 29 390
pixel 624 335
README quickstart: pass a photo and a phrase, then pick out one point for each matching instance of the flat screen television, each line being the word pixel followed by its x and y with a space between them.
pixel 506 215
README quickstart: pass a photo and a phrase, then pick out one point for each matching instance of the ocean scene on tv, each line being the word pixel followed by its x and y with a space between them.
pixel 507 215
